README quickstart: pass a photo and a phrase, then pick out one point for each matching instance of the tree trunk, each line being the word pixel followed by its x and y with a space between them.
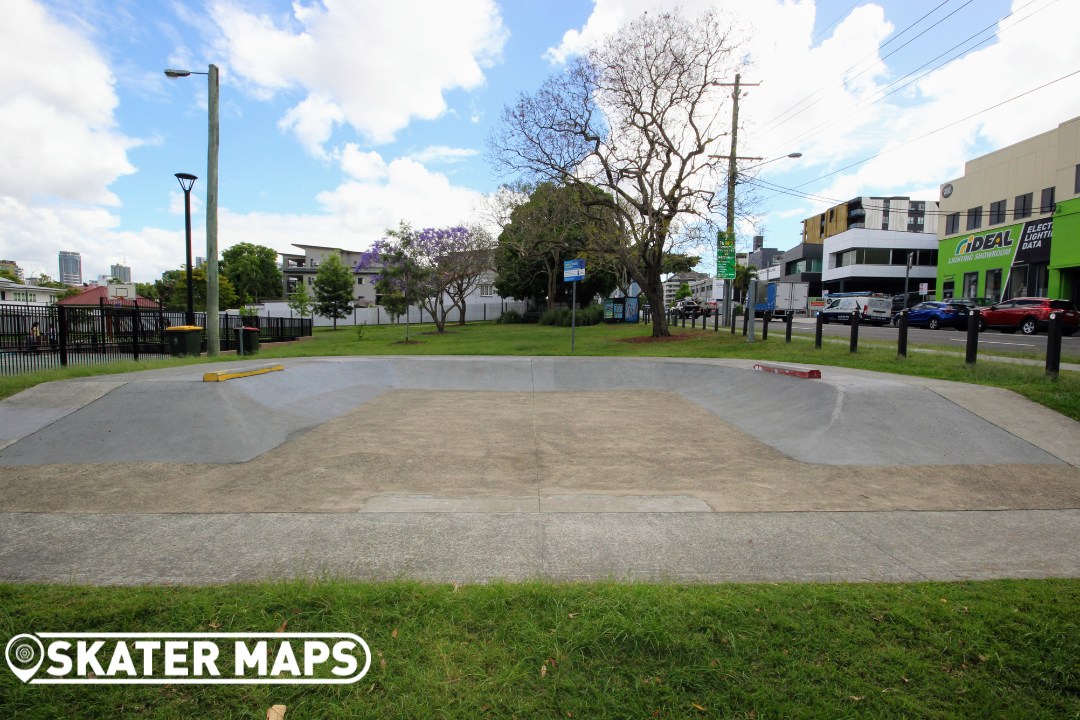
pixel 461 312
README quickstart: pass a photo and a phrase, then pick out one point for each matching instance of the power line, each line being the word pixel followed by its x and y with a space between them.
pixel 780 120
pixel 873 100
pixel 940 129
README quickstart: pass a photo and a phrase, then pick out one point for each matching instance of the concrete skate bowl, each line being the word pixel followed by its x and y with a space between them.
pixel 842 419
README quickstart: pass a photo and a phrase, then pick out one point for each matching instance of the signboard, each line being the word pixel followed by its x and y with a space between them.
pixel 725 256
pixel 573 270
pixel 924 288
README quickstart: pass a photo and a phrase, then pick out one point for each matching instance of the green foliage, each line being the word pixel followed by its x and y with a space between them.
pixel 334 289
pixel 743 275
pixel 675 263
pixel 147 290
pixel 591 315
pixel 557 223
pixel 9 274
pixel 171 289
pixel 360 329
pixel 683 292
pixel 253 271
pixel 46 281
pixel 300 302
pixel 510 317
pixel 67 292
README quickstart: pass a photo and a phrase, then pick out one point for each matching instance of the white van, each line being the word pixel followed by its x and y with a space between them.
pixel 873 309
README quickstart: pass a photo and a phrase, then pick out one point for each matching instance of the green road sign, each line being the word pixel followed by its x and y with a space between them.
pixel 725 256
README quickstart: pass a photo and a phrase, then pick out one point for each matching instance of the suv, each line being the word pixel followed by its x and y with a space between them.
pixel 687 308
pixel 1029 315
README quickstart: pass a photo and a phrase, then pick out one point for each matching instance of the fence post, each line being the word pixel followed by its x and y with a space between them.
pixel 136 331
pixel 62 321
pixel 1053 345
pixel 973 337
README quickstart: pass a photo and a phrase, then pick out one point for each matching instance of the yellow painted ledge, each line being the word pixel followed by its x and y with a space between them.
pixel 222 375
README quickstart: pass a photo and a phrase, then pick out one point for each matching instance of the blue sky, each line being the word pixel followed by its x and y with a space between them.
pixel 340 118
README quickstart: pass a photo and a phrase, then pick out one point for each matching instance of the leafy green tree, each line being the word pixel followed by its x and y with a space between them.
pixel 557 223
pixel 146 290
pixel 743 275
pixel 171 290
pixel 46 281
pixel 300 301
pixel 334 289
pixel 8 274
pixel 253 271
pixel 683 292
pixel 676 263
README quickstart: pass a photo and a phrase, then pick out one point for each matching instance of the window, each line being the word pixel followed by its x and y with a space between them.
pixel 1076 185
pixel 876 256
pixel 971 284
pixel 992 291
pixel 974 218
pixel 1047 202
pixel 359 279
pixel 997 212
pixel 1022 209
pixel 487 289
pixel 952 223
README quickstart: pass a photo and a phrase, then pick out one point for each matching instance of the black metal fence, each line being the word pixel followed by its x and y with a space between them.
pixel 39 337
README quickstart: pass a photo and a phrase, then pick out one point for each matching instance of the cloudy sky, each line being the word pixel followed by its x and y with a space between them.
pixel 339 118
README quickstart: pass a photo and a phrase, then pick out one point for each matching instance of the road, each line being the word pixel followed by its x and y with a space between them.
pixel 990 341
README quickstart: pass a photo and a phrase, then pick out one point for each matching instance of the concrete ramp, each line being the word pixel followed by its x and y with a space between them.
pixel 845 418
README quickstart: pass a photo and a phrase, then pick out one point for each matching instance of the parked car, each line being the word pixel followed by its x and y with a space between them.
pixel 874 309
pixel 913 299
pixel 935 314
pixel 687 308
pixel 1029 315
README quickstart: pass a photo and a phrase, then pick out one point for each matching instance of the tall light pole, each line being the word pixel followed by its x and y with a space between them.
pixel 187 181
pixel 213 332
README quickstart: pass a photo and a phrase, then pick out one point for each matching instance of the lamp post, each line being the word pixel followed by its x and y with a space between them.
pixel 187 180
pixel 213 332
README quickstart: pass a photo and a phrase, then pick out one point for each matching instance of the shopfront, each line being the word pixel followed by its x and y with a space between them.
pixel 1065 258
pixel 1006 262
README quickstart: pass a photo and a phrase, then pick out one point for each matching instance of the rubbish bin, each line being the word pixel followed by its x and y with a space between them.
pixel 248 339
pixel 184 340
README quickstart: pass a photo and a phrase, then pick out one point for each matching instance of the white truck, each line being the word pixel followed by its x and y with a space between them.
pixel 782 299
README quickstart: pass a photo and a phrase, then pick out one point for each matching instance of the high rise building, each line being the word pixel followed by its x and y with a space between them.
pixel 120 272
pixel 70 268
pixel 13 267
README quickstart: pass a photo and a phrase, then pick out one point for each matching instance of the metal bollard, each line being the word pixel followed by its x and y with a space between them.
pixel 972 350
pixel 745 319
pixel 854 347
pixel 787 330
pixel 733 320
pixel 1053 345
pixel 766 318
pixel 817 332
pixel 716 319
pixel 901 342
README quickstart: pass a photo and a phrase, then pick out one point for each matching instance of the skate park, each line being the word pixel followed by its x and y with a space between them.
pixel 474 469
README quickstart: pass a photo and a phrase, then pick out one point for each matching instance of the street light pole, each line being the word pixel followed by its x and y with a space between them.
pixel 186 181
pixel 213 332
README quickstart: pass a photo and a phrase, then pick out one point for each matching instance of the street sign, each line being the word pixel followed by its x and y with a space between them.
pixel 573 270
pixel 725 256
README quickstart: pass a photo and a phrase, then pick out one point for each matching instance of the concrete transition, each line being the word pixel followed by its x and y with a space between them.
pixel 473 469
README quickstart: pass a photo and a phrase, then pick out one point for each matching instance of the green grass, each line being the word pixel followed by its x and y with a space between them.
pixel 930 650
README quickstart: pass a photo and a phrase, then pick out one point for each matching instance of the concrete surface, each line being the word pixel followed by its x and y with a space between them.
pixel 470 469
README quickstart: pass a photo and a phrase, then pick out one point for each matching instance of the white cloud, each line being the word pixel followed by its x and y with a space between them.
pixel 371 65
pixel 442 154
pixel 57 130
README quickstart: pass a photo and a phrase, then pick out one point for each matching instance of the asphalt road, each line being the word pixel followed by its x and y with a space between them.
pixel 989 341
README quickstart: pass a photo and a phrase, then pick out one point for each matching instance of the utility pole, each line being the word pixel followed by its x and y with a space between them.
pixel 733 175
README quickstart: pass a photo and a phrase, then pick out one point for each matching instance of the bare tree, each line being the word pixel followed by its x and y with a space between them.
pixel 637 116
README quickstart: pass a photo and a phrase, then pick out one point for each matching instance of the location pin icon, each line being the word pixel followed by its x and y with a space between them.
pixel 24 654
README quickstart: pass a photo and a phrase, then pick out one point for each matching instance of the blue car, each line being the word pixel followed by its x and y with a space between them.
pixel 938 314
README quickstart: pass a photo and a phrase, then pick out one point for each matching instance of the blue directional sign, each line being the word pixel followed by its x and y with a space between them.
pixel 573 270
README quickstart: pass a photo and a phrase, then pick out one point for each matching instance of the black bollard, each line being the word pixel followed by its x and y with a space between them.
pixel 716 318
pixel 854 331
pixel 787 330
pixel 972 337
pixel 817 332
pixel 766 317
pixel 1053 345
pixel 746 318
pixel 733 320
pixel 901 342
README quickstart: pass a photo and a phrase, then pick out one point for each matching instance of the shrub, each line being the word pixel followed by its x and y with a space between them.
pixel 592 315
pixel 509 317
pixel 556 317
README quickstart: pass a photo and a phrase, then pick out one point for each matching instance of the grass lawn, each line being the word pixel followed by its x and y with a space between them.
pixel 543 650
pixel 932 650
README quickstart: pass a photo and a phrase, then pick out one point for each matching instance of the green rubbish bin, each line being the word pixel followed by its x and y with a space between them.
pixel 184 340
pixel 248 339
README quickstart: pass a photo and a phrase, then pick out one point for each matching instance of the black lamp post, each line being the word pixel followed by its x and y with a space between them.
pixel 187 180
